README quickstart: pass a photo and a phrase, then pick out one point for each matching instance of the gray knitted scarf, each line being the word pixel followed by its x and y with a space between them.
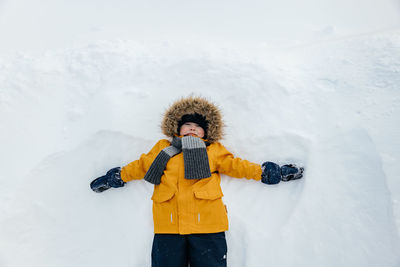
pixel 195 159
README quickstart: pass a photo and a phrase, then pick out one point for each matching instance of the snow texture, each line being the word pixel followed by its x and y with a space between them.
pixel 69 114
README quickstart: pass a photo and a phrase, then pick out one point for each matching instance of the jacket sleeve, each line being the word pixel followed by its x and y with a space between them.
pixel 236 167
pixel 138 168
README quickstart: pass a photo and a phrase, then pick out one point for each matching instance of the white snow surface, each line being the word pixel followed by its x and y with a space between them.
pixel 328 101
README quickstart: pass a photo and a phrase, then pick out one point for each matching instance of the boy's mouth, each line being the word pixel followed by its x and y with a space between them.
pixel 191 134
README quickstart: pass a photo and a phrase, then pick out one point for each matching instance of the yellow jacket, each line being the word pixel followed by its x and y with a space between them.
pixel 184 206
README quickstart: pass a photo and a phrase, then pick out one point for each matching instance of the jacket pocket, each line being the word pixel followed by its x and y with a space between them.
pixel 164 208
pixel 210 209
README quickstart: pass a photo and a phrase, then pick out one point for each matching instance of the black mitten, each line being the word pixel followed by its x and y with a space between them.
pixel 111 179
pixel 291 172
pixel 100 184
pixel 271 173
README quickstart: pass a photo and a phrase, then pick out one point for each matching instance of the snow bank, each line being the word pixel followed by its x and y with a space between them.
pixel 70 115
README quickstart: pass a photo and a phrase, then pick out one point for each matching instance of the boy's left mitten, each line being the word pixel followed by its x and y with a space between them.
pixel 111 179
pixel 271 173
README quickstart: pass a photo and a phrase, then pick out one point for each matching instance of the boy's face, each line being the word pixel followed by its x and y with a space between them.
pixel 191 128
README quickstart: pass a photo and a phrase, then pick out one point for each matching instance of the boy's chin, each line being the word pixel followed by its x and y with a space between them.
pixel 191 135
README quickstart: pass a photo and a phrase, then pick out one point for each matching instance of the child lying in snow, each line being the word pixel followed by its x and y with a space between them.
pixel 189 216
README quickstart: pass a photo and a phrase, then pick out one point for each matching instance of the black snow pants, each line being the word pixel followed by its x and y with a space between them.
pixel 198 250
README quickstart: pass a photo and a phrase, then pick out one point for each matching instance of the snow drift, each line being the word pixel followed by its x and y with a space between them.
pixel 70 115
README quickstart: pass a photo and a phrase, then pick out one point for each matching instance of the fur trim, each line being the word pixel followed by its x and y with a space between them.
pixel 191 105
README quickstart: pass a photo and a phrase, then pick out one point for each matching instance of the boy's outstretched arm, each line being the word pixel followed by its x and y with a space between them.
pixel 268 172
pixel 117 177
pixel 227 163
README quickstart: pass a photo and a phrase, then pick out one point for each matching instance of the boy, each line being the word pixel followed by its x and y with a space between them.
pixel 189 216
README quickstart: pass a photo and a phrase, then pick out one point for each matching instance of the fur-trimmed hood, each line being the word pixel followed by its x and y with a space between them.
pixel 191 105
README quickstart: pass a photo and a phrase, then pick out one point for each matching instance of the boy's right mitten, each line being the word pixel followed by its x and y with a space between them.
pixel 271 173
pixel 111 179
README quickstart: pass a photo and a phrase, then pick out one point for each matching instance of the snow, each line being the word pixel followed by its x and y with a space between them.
pixel 76 100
